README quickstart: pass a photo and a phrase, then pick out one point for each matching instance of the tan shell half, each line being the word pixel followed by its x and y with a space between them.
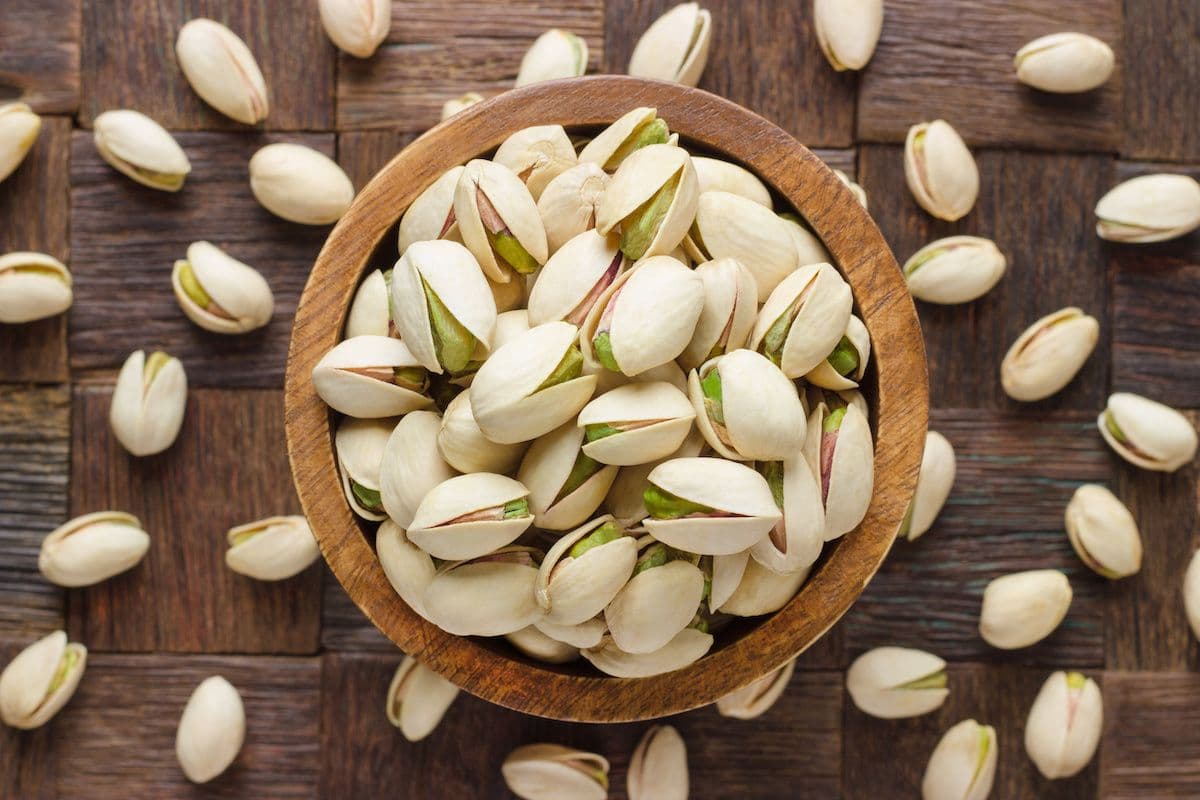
pixel 545 469
pixel 243 299
pixel 513 204
pixel 848 478
pixel 431 215
pixel 340 380
pixel 533 643
pixel 26 701
pixel 466 449
pixel 554 772
pixel 586 634
pixel 940 170
pixel 272 549
pixel 537 155
pixel 1156 437
pixel 369 312
pixel 574 590
pixel 411 465
pixel 658 769
pixel 824 313
pixel 827 377
pixel 796 541
pixel 654 605
pixel 716 175
pixel 729 312
pixel 640 176
pixel 360 445
pixel 726 574
pixel 19 129
pixel 484 597
pixel 568 203
pixel 688 647
pixel 1048 354
pixel 756 699
pixel 575 277
pixel 764 420
pixel 625 499
pixel 601 149
pixel 730 226
pixel 763 591
pixel 408 568
pixel 662 415
pixel 92 548
pixel 417 699
pixel 436 528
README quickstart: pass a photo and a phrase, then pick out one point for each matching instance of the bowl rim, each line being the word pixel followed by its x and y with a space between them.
pixel 852 238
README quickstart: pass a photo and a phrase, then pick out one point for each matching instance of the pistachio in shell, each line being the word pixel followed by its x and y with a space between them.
pixel 762 591
pixel 464 447
pixel 796 540
pixel 636 423
pixel 40 680
pixel 1146 433
pixel 717 175
pixel 651 200
pixel 488 596
pixel 575 277
pixel 846 364
pixel 756 699
pixel 955 269
pixel 897 682
pixel 1103 533
pixel 92 548
pixel 371 309
pixel 371 377
pixel 33 286
pixel 803 320
pixel 220 293
pixel 499 221
pixel 431 215
pixel 537 155
pixel 412 465
pixel 568 203
pixel 728 225
pixel 940 170
pixel 634 130
pixel 659 600
pixel 658 768
pixel 554 772
pixel 688 647
pixel 729 312
pixel 360 445
pixel 674 47
pixel 534 644
pixel 841 455
pixel 963 765
pixel 584 570
pixel 936 479
pixel 469 516
pixel 746 408
pixel 1048 354
pixel 565 484
pixel 417 699
pixel 408 568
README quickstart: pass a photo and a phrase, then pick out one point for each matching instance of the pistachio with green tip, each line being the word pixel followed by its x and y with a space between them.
pixel 963 765
pixel 92 548
pixel 499 221
pixel 1064 63
pixel 1147 434
pixel 220 293
pixel 492 595
pixel 431 216
pixel 565 484
pixel 651 200
pixel 148 402
pixel 408 568
pixel 847 31
pixel 936 479
pixel 534 644
pixel 762 591
pixel 456 104
pixel 796 540
pixel 1103 532
pixel 659 600
pixel 300 184
pixel 19 129
pixel 840 453
pixel 554 772
pixel 1064 725
pixel 33 286
pixel 370 311
pixel 464 447
pixel 1022 608
pixel 636 423
pixel 625 499
pixel 568 203
pixel 553 55
pixel 417 699
pixel 211 730
pixel 359 444
pixel 412 465
pixel 575 278
pixel 716 175
pixel 957 269
pixel 140 148
pixel 371 377
pixel 469 516
pixel 40 680
pixel 940 170
pixel 729 312
pixel 658 768
pixel 634 130
pixel 1149 208
pixel 746 408
pixel 846 364
pixel 688 647
pixel 1048 355
pixel 897 682
pixel 272 549
pixel 756 699
pixel 537 155
pixel 675 46
pixel 584 570
pixel 803 320
pixel 728 225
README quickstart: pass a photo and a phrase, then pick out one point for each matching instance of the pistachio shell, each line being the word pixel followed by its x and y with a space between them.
pixel 938 467
pixel 1191 594
pixel 762 591
pixel 466 449
pixel 140 148
pixel 417 699
pixel 796 541
pixel 940 170
pixel 894 682
pixel 575 277
pixel 729 312
pixel 572 590
pixel 614 140
pixel 809 249
pixel 762 416
pixel 537 155
pixel 815 395
pixel 675 46
pixel 1023 608
pixel 688 646
pixel 1103 532
pixel 847 474
pixel 727 573
pixel 460 103
pixel 1064 725
pixel 411 465
pixel 957 269
pixel 438 530
pixel 32 286
pixel 272 549
pixel 239 299
pixel 585 634
pixel 1064 62
pixel 211 730
pixel 92 548
pixel 716 175
pixel 299 184
pixel 756 699
pixel 963 765
pixel 823 313
pixel 1149 208
pixel 658 769
pixel 824 374
pixel 147 411
pixel 553 772
pixel 625 499
pixel 19 129
pixel 431 215
pixel 369 312
pixel 847 31
pixel 357 27
pixel 40 680
pixel 484 597
pixel 1048 355
pixel 553 55
pixel 409 569
pixel 222 70
pixel 546 468
pixel 514 208
pixel 540 647
pixel 641 175
pixel 360 444
pixel 661 418
pixel 729 225
pixel 1147 434
pixel 654 606
pixel 341 378
pixel 568 203
pixel 510 325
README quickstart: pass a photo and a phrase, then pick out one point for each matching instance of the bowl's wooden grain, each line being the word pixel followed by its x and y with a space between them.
pixel 900 405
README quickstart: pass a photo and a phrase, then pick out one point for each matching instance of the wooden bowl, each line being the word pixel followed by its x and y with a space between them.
pixel 491 669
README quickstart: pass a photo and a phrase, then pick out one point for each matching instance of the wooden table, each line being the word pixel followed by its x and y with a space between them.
pixel 313 673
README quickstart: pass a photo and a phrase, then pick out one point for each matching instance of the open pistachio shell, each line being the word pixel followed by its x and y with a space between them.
pixel 585 634
pixel 763 591
pixel 724 573
pixel 625 498
pixel 940 170
pixel 575 277
pixel 846 365
pixel 746 408
pixel 675 46
pixel 657 603
pixel 565 485
pixel 843 460
pixel 408 568
pixel 815 395
pixel 412 465
pixel 938 467
pixel 716 175
pixel 729 225
pixel 272 549
pixel 963 765
pixel 92 548
pixel 803 319
pixel 1149 208
pixel 809 249
pixel 1064 62
pixel 488 596
pixel 756 699
pixel 211 730
pixel 1022 608
pixel 553 772
pixel 431 215
pixel 573 589
pixel 370 313
pixel 220 293
pixel 499 221
pixel 360 445
pixel 956 269
pixel 1048 355
pixel 466 449
pixel 796 541
pixel 370 377
pixel 651 199
pixel 417 699
pixel 148 402
pixel 553 55
pixel 1064 725
pixel 40 680
pixel 847 31
pixel 897 682
pixel 32 286
pixel 729 312
pixel 635 129
pixel 140 148
pixel 607 380
pixel 568 203
pixel 19 129
pixel 468 516
pixel 1147 434
pixel 688 647
pixel 537 155
pixel 636 423
pixel 540 647
pixel 658 768
pixel 1103 532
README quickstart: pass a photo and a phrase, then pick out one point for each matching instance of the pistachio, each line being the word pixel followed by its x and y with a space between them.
pixel 815 395
pixel 555 54
pixel 803 319
pixel 417 699
pixel 755 699
pixel 92 548
pixel 963 765
pixel 469 516
pixel 846 364
pixel 1103 532
pixel 796 540
pixel 847 31
pixel 32 286
pixel 499 221
pixel 1048 355
pixel 584 634
pixel 934 483
pixel 460 103
pixel 809 248
pixel 625 499
pixel 148 402
pixel 568 204
pixel 636 423
pixel 431 215
pixel 272 549
pixel 1064 62
pixel 746 408
pixel 840 454
pixel 299 184
pixel 565 484
pixel 859 193
pixel 40 680
pixel 1149 208
pixel 360 445
pixel 140 148
pixel 762 591
pixel 1064 725
pixel 729 225
pixel 634 130
pixel 408 568
pixel 940 170
pixel 466 449
pixel 1147 434
pixel 211 730
pixel 19 129
pixel 540 647
pixel 659 601
pixel 575 278
pixel 896 682
pixel 1023 608
pixel 510 325
pixel 370 377
pixel 729 311
pixel 688 647
pixel 553 772
pixel 724 574
pixel 584 570
pixel 411 464
pixel 675 46
pixel 1191 594
pixel 652 199
pixel 537 155
pixel 716 175
pixel 488 596
pixel 370 313
pixel 957 269
pixel 220 293
pixel 357 27
pixel 658 769
pixel 222 70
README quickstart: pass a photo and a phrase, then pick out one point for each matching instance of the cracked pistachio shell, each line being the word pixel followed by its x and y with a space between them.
pixel 809 248
pixel 607 380
pixel 40 680
pixel 1149 208
pixel 675 46
pixel 488 596
pixel 625 499
pixel 759 416
pixel 934 483
pixel 688 647
pixel 725 573
pixel 439 527
pixel 844 463
pixel 860 194
pixel 585 634
pixel 140 148
pixel 724 486
pixel 355 378
pixel 546 469
pixel 211 730
pixel 412 464
pixel 824 374
pixel 553 55
pixel 360 445
pixel 299 184
pixel 431 215
pixel 1048 355
pixel 1064 725
pixel 814 395
pixel 1191 594
pixel 235 296
pixel 574 590
pixel 568 203
pixel 357 27
pixel 963 765
pixel 729 225
pixel 762 591
pixel 641 336
pixel 417 699
pixel 940 170
pixel 847 31
pixel 1064 62
pixel 823 302
pixel 897 682
pixel 19 129
pixel 575 277
pixel 796 541
pixel 370 314
pixel 460 103
pixel 272 549
pixel 32 286
pixel 716 175
pixel 1023 608
pixel 408 568
pixel 615 143
pixel 756 699
pixel 1103 532
pixel 537 155
pixel 729 312
pixel 515 212
pixel 466 449
pixel 92 548
pixel 642 174
pixel 554 772
pixel 147 409
pixel 658 768
pixel 510 325
pixel 222 70
pixel 654 606
pixel 652 420
pixel 533 643
pixel 957 269
pixel 1147 434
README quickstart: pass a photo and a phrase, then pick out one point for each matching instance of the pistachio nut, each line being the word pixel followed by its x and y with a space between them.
pixel 803 320
pixel 716 175
pixel 568 204
pixel 846 364
pixel 499 221
pixel 728 315
pixel 729 225
pixel 536 645
pixel 211 730
pixel 370 312
pixel 584 570
pixel 688 647
pixel 140 148
pixel 148 402
pixel 860 194
pixel 431 215
pixel 357 27
pixel 469 516
pixel 841 455
pixel 1049 354
pixel 963 765
pixel 708 505
pixel 940 170
pixel 809 248
pixel 370 377
pixel 1147 434
pixel 584 634
pixel 537 155
pixel 1191 594
pixel 299 184
pixel 408 568
pixel 411 465
pixel 488 596
pixel 510 325
pixel 40 680
pixel 272 549
pixel 555 54
pixel 659 600
pixel 222 70
pixel 360 445
pixel 1103 532
pixel 1064 62
pixel 724 574
pixel 626 330
pixel 658 768
pixel 460 103
pixel 634 130
pixel 565 484
pixel 815 395
pixel 934 483
pixel 675 46
pixel 607 380
pixel 19 129
pixel 897 682
pixel 756 699
pixel 531 385
pixel 762 591
pixel 625 498
pixel 1149 208
pixel 796 540
pixel 847 31
pixel 1064 725
pixel 554 772
pixel 575 278
pixel 442 306
pixel 92 548
pixel 220 293
pixel 651 199
pixel 636 423
pixel 746 408
pixel 957 269
pixel 1023 608
pixel 32 286
pixel 417 699
pixel 466 449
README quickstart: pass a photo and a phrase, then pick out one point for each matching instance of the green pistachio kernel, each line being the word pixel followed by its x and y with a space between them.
pixel 772 471
pixel 154 364
pixel 508 248
pixel 583 468
pixel 514 509
pixel 569 368
pixel 844 358
pixel 369 499
pixel 413 378
pixel 653 556
pixel 1076 680
pixel 65 665
pixel 191 285
pixel 776 336
pixel 167 180
pixel 935 681
pixel 652 132
pixel 640 228
pixel 453 343
pixel 245 536
pixel 924 259
pixel 710 387
pixel 1110 422
pixel 985 744
pixel 699 623
pixel 661 504
pixel 602 346
pixel 599 430
pixel 387 286
pixel 834 421
pixel 608 532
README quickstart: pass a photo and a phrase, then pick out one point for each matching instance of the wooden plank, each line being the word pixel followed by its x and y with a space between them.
pixel 129 61
pixel 1162 92
pixel 343 625
pixel 364 153
pixel 1151 736
pixel 933 63
pixel 126 237
pixel 1054 259
pixel 845 160
pixel 26 758
pixel 39 54
pixel 124 717
pixel 34 214
pixel 227 467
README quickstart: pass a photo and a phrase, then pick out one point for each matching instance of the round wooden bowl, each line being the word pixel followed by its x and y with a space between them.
pixel 365 238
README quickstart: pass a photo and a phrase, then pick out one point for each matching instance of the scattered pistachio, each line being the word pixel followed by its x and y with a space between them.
pixel 1103 532
pixel 1149 208
pixel 940 170
pixel 272 549
pixel 1147 434
pixel 1064 725
pixel 222 70
pixel 938 467
pixel 554 54
pixel 963 765
pixel 148 402
pixel 92 548
pixel 140 148
pixel 211 730
pixel 417 699
pixel 299 184
pixel 757 698
pixel 957 269
pixel 1048 355
pixel 1064 62
pixel 675 46
pixel 220 293
pixel 33 286
pixel 896 682
pixel 19 129
pixel 356 26
pixel 40 680
pixel 847 31
pixel 554 772
pixel 1023 608
pixel 658 769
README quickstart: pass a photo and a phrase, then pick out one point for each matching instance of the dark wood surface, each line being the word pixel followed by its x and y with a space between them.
pixel 314 671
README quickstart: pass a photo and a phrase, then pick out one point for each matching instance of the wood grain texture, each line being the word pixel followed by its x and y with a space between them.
pixel 129 61
pixel 1162 91
pixel 364 153
pixel 1151 736
pixel 927 67
pixel 1054 257
pixel 226 468
pixel 126 237
pixel 26 760
pixel 39 54
pixel 344 626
